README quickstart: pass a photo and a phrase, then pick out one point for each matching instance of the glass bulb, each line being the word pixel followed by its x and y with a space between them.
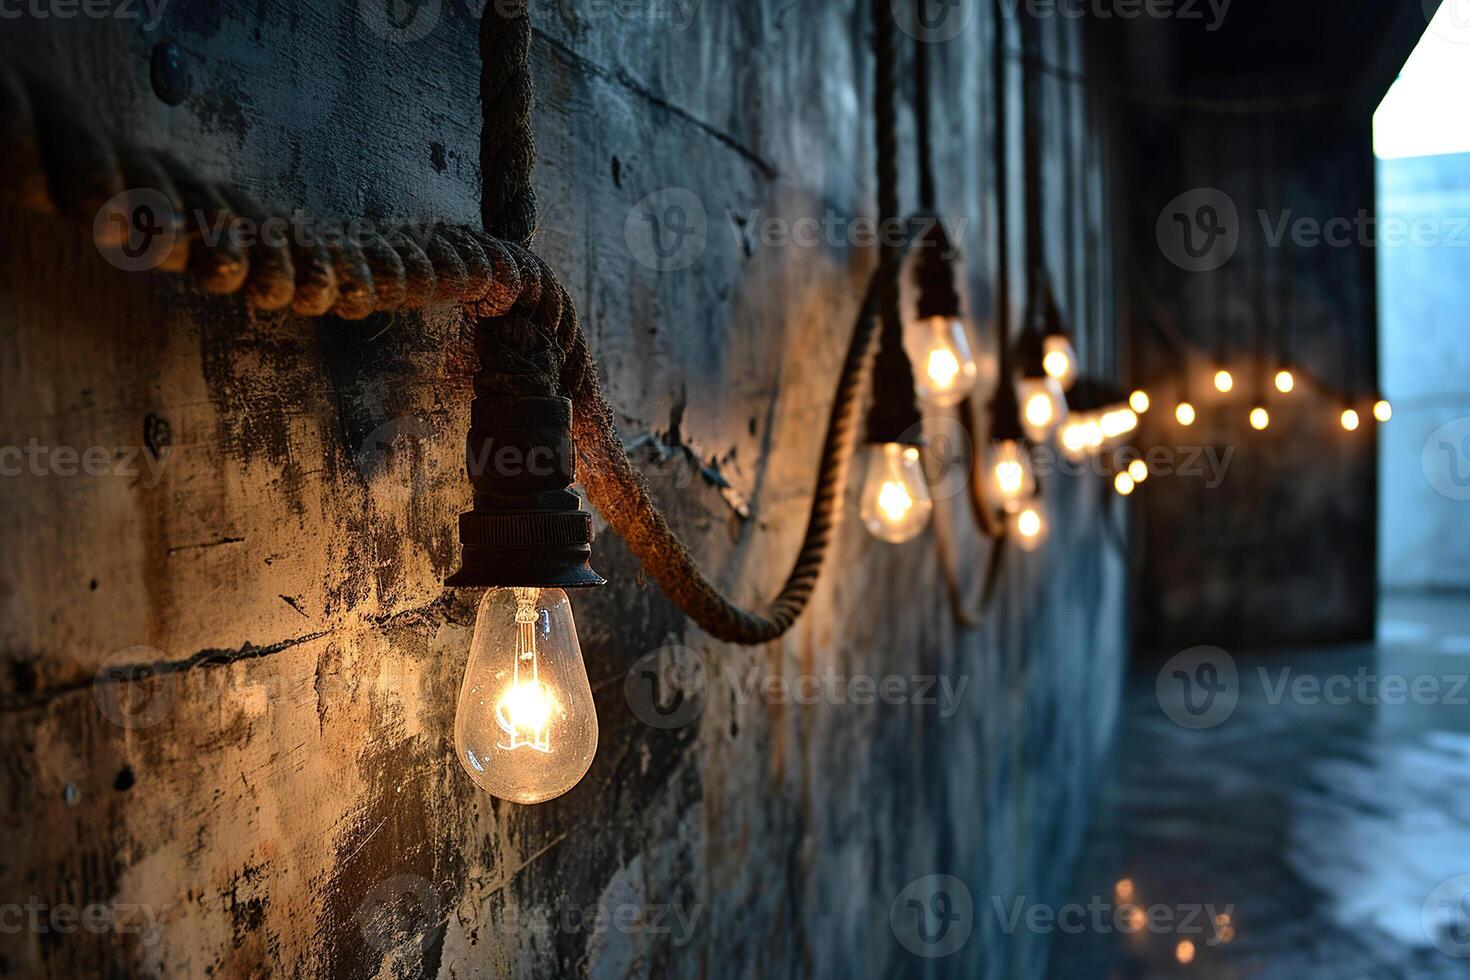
pixel 1116 422
pixel 1008 468
pixel 1138 469
pixel 1382 410
pixel 1184 414
pixel 895 497
pixel 1349 419
pixel 939 348
pixel 1075 436
pixel 1285 381
pixel 1043 407
pixel 1058 359
pixel 1260 418
pixel 1124 484
pixel 525 728
pixel 1224 381
pixel 1028 528
pixel 1139 401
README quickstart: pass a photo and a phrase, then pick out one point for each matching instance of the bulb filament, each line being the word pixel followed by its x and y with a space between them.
pixel 524 710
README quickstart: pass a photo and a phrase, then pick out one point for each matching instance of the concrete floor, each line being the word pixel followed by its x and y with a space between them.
pixel 1308 817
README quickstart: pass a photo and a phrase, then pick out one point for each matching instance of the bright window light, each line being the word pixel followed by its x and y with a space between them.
pixel 1419 116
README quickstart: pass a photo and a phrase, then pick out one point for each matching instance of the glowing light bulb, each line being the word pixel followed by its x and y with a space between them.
pixel 1117 422
pixel 895 498
pixel 1224 381
pixel 1012 479
pixel 1124 484
pixel 1138 469
pixel 1184 951
pixel 1184 414
pixel 1028 528
pixel 1350 419
pixel 1058 359
pixel 1382 410
pixel 940 347
pixel 525 728
pixel 1139 401
pixel 1043 407
pixel 1285 381
pixel 1260 418
pixel 1073 437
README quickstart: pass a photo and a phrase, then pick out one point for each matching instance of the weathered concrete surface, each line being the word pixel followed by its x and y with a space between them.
pixel 283 799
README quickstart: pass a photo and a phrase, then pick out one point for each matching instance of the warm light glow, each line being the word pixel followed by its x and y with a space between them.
pixel 1138 469
pixel 1350 419
pixel 895 502
pixel 1285 381
pixel 940 346
pixel 1043 406
pixel 1030 527
pixel 1184 414
pixel 1039 410
pixel 1118 422
pixel 1074 438
pixel 1224 381
pixel 1260 418
pixel 1124 484
pixel 1382 410
pixel 1011 477
pixel 1124 889
pixel 1059 360
pixel 525 728
pixel 1184 952
pixel 1138 401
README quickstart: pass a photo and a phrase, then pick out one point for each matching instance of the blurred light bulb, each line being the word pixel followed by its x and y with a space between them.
pixel 1382 410
pixel 1073 437
pixel 1058 359
pixel 525 728
pixel 1138 469
pixel 940 347
pixel 1139 401
pixel 1012 479
pixel 1260 418
pixel 895 497
pixel 1028 527
pixel 1124 484
pixel 1285 381
pixel 1117 422
pixel 1043 407
pixel 1349 419
pixel 1184 951
pixel 1224 381
pixel 1184 414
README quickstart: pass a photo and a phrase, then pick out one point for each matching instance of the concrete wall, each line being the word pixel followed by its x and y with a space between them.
pixel 1424 290
pixel 280 797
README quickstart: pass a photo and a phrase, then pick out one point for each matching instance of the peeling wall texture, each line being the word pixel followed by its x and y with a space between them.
pixel 272 513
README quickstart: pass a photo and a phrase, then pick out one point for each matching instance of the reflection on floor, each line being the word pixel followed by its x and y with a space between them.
pixel 1309 817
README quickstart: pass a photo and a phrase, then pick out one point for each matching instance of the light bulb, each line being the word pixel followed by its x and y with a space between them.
pixel 1349 419
pixel 1138 401
pixel 1118 421
pixel 525 728
pixel 1285 381
pixel 1382 410
pixel 1012 479
pixel 1073 436
pixel 1184 414
pixel 1260 418
pixel 940 347
pixel 1224 381
pixel 895 498
pixel 1138 469
pixel 1028 527
pixel 1124 484
pixel 1058 359
pixel 1043 407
